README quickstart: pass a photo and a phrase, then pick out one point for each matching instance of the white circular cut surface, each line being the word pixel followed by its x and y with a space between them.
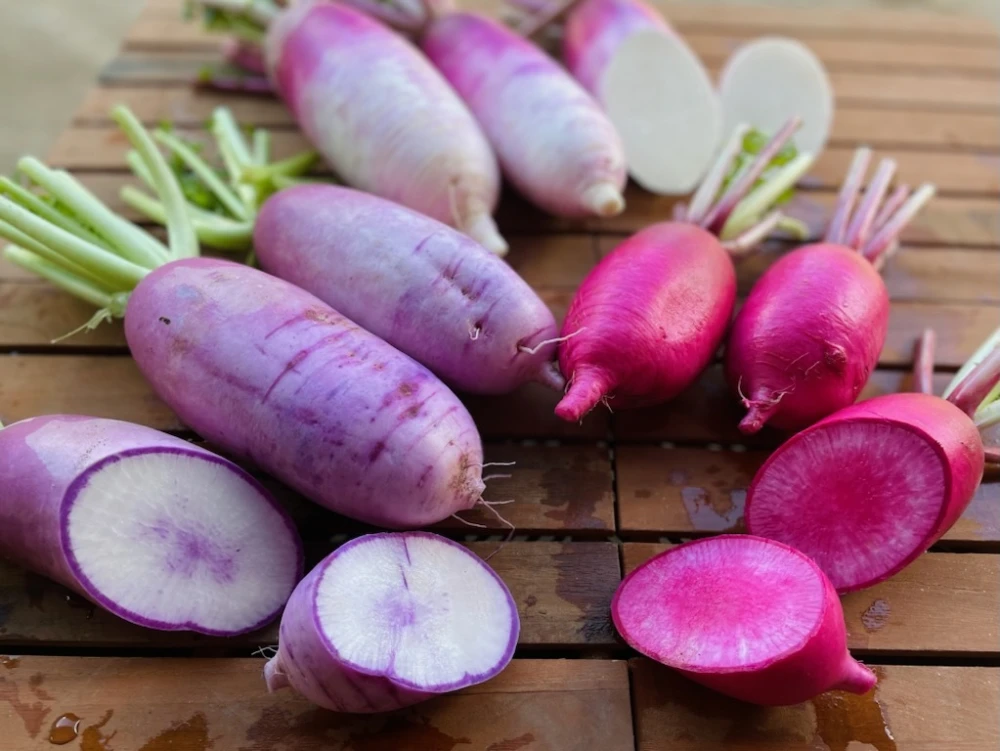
pixel 173 540
pixel 768 81
pixel 660 98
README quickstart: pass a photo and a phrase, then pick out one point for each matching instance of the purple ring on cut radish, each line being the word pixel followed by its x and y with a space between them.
pixel 391 619
pixel 749 617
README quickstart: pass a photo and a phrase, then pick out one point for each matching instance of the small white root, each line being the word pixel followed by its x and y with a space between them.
pixel 545 343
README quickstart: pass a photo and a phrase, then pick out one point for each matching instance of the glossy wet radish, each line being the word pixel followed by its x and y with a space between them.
pixel 748 617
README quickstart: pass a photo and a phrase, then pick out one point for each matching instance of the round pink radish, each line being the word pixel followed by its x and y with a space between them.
pixel 389 620
pixel 812 328
pixel 553 142
pixel 868 489
pixel 420 285
pixel 206 548
pixel 748 617
pixel 655 90
pixel 383 117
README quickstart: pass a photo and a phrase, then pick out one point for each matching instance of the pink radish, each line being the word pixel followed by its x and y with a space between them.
pixel 207 549
pixel 553 141
pixel 871 487
pixel 389 620
pixel 748 617
pixel 811 330
pixel 651 315
pixel 257 366
pixel 655 90
pixel 420 285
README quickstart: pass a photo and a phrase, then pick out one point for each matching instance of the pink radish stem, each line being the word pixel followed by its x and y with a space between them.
pixel 701 203
pixel 923 363
pixel 891 206
pixel 751 238
pixel 970 392
pixel 887 235
pixel 864 217
pixel 992 454
pixel 848 195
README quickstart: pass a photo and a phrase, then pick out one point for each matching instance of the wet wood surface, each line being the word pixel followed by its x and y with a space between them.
pixel 592 500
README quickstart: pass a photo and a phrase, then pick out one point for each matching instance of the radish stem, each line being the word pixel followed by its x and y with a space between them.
pixel 923 363
pixel 750 209
pixel 204 172
pixel 752 237
pixel 891 206
pixel 706 193
pixel 848 195
pixel 991 343
pixel 211 229
pixel 988 416
pixel 49 213
pixel 59 276
pixel 991 454
pixel 888 234
pixel 864 218
pixel 970 392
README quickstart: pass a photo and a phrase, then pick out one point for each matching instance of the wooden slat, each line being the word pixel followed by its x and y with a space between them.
pixel 942 604
pixel 185 106
pixel 563 593
pixel 911 709
pixel 685 491
pixel 196 705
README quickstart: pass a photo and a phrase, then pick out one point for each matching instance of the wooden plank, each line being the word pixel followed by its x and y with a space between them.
pixel 186 106
pixel 156 704
pixel 694 491
pixel 563 593
pixel 911 709
pixel 942 604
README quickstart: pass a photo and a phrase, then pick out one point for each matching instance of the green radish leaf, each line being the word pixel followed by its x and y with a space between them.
pixel 753 142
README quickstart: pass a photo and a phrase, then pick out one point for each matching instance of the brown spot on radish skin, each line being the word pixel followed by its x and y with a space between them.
pixel 164 320
pixel 844 719
pixel 875 616
pixel 192 734
pixel 406 389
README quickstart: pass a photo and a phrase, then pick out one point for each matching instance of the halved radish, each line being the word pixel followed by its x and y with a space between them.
pixel 769 80
pixel 388 620
pixel 748 617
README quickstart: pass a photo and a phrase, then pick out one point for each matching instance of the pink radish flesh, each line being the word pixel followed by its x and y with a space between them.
pixel 748 617
pixel 869 488
pixel 553 141
pixel 420 285
pixel 383 117
pixel 389 620
pixel 206 548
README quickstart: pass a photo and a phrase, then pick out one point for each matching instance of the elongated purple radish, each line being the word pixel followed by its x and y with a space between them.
pixel 748 617
pixel 553 141
pixel 420 285
pixel 871 487
pixel 85 501
pixel 651 315
pixel 388 620
pixel 769 80
pixel 261 368
pixel 655 90
pixel 810 333
pixel 403 15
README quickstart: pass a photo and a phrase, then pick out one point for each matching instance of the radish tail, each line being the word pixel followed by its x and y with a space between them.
pixel 923 363
pixel 604 199
pixel 274 674
pixel 759 412
pixel 864 217
pixel 970 392
pixel 586 389
pixel 482 229
pixel 848 195
pixel 857 678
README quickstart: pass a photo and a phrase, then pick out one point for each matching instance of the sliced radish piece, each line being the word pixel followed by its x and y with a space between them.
pixel 769 80
pixel 748 617
pixel 388 620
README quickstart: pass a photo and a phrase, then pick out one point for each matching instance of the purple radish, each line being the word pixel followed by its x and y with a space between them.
pixel 420 285
pixel 871 487
pixel 748 617
pixel 553 141
pixel 810 333
pixel 206 548
pixel 388 620
pixel 259 367
pixel 652 86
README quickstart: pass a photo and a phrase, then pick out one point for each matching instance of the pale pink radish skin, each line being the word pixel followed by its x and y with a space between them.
pixel 383 117
pixel 389 620
pixel 810 333
pixel 423 287
pixel 553 141
pixel 654 89
pixel 271 374
pixel 748 617
pixel 206 548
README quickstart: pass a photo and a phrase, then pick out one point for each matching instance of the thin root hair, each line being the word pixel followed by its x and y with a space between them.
pixel 467 523
pixel 267 651
pixel 498 476
pixel 498 464
pixel 505 522
pixel 546 342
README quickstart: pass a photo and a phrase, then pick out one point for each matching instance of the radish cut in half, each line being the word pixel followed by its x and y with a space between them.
pixel 661 100
pixel 391 619
pixel 749 617
pixel 769 80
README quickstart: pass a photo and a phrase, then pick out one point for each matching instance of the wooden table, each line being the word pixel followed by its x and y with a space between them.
pixel 592 500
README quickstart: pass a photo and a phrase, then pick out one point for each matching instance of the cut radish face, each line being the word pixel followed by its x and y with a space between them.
pixel 746 616
pixel 157 531
pixel 869 488
pixel 388 620
pixel 769 80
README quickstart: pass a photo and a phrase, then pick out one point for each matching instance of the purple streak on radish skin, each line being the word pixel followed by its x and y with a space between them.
pixel 412 281
pixel 47 465
pixel 236 335
pixel 383 117
pixel 553 141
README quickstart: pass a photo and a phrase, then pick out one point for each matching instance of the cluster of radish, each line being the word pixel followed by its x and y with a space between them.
pixel 332 370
